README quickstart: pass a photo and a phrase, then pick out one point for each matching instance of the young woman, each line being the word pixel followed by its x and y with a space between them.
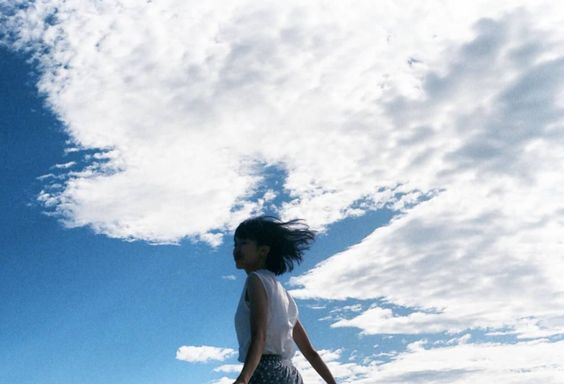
pixel 266 320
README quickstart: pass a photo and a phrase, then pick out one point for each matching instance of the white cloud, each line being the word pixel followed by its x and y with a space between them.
pixel 203 354
pixel 531 362
pixel 66 165
pixel 379 320
pixel 527 362
pixel 456 272
pixel 227 368
pixel 191 99
pixel 485 252
pixel 223 380
pixel 341 371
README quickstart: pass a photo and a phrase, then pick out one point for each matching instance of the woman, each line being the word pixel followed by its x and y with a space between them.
pixel 266 320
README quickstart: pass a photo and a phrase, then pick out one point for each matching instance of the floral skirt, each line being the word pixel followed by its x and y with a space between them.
pixel 273 370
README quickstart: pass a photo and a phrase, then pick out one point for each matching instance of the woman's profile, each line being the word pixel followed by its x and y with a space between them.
pixel 266 320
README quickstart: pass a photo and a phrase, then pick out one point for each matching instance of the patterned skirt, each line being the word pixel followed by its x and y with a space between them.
pixel 273 370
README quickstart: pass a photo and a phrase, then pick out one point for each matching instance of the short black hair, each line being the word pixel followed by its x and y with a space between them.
pixel 287 240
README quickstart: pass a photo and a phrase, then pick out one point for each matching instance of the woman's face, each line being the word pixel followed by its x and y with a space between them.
pixel 248 255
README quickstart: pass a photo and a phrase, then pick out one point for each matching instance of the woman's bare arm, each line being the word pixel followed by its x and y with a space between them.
pixel 303 343
pixel 258 304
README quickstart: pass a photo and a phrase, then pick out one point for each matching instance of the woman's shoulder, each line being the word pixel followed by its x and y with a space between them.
pixel 262 273
pixel 266 277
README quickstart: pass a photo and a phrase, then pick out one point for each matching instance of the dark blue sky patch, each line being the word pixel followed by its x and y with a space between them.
pixel 31 138
pixel 273 178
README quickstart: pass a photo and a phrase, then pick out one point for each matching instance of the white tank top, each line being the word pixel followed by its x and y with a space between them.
pixel 282 315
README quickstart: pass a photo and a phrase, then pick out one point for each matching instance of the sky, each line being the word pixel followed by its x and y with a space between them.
pixel 423 141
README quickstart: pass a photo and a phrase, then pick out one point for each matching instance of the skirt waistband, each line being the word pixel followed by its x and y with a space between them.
pixel 272 357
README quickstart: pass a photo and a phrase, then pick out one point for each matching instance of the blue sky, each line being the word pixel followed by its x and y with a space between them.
pixel 426 148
